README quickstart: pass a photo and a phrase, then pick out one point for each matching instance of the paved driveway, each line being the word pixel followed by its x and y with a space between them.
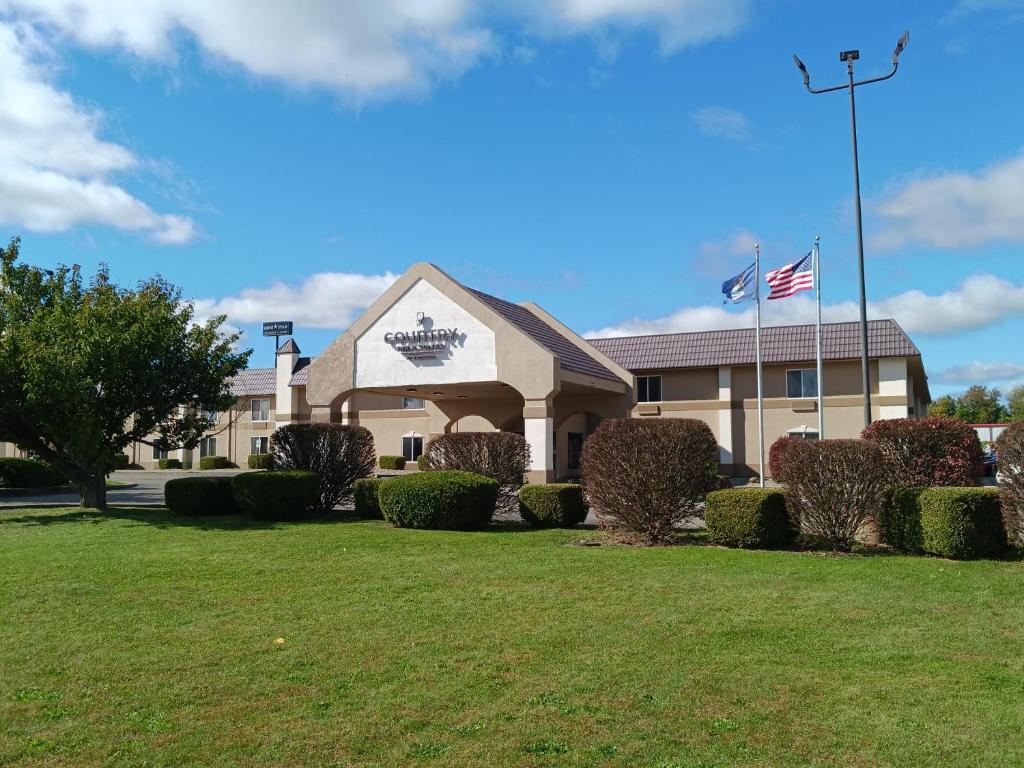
pixel 148 490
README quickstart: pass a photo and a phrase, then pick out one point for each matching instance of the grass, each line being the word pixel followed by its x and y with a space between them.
pixel 135 638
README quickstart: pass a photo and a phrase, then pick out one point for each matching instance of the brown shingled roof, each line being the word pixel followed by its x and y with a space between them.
pixel 254 381
pixel 300 373
pixel 781 344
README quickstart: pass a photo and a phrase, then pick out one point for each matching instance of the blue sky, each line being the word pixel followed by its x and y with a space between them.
pixel 613 160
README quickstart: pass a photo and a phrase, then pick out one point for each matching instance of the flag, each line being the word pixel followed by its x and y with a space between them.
pixel 740 288
pixel 787 280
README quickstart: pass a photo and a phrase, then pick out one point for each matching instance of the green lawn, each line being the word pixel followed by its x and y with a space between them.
pixel 136 638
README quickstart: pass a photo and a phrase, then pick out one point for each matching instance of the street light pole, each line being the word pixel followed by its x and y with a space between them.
pixel 849 57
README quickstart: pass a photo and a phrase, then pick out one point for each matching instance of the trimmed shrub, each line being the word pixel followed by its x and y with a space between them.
pixel 835 488
pixel 122 461
pixel 1010 450
pixel 754 518
pixel 502 456
pixel 777 457
pixel 449 500
pixel 552 505
pixel 277 494
pixel 421 463
pixel 648 475
pixel 169 463
pixel 962 523
pixel 365 491
pixel 899 520
pixel 260 461
pixel 200 496
pixel 28 473
pixel 391 462
pixel 927 452
pixel 213 462
pixel 338 454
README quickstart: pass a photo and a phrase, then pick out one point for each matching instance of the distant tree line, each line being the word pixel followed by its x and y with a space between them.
pixel 981 405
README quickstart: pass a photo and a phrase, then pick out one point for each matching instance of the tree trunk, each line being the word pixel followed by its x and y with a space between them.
pixel 93 492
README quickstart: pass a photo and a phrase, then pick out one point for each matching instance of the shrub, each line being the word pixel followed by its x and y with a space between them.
pixel 1010 449
pixel 169 463
pixel 367 502
pixel 421 463
pixel 276 495
pixel 899 519
pixel 754 518
pixel 552 505
pixel 338 454
pixel 122 461
pixel 777 456
pixel 391 462
pixel 502 456
pixel 28 473
pixel 444 499
pixel 213 462
pixel 260 461
pixel 834 488
pixel 926 452
pixel 200 496
pixel 962 523
pixel 648 475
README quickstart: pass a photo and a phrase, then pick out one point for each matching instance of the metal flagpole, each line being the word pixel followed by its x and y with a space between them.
pixel 757 350
pixel 821 382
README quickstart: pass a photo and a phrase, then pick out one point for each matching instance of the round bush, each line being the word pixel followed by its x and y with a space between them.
pixel 213 462
pixel 422 463
pixel 503 456
pixel 777 456
pixel 277 494
pixel 754 518
pixel 367 502
pixel 169 463
pixel 391 462
pixel 937 450
pixel 449 500
pixel 260 461
pixel 200 496
pixel 552 505
pixel 28 473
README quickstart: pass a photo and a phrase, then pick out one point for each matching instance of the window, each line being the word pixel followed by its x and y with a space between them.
pixel 805 433
pixel 412 447
pixel 258 444
pixel 802 382
pixel 211 416
pixel 648 389
pixel 412 402
pixel 159 453
pixel 261 409
pixel 575 450
pixel 208 447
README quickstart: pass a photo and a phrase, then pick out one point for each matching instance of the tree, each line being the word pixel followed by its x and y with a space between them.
pixel 86 369
pixel 1015 401
pixel 943 406
pixel 980 405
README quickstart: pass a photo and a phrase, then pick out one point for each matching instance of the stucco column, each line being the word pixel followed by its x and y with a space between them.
pixel 346 411
pixel 892 384
pixel 725 416
pixel 320 414
pixel 538 428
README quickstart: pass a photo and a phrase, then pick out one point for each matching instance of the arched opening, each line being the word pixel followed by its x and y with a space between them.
pixel 570 434
pixel 471 422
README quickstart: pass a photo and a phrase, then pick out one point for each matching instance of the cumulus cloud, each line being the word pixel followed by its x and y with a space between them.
pixel 723 122
pixel 322 300
pixel 956 210
pixel 970 306
pixel 363 49
pixel 979 372
pixel 55 171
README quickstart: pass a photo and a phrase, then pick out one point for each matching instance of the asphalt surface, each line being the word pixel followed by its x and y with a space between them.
pixel 148 490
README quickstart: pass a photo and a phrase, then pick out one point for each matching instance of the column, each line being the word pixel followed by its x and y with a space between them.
pixel 725 416
pixel 320 414
pixel 892 384
pixel 538 428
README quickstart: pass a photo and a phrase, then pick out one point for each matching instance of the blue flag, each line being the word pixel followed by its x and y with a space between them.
pixel 741 287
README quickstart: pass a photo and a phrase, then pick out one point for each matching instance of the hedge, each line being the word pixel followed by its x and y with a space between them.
pixel 28 473
pixel 962 523
pixel 899 520
pixel 446 499
pixel 752 518
pixel 200 496
pixel 277 494
pixel 1010 449
pixel 169 463
pixel 552 505
pixel 260 461
pixel 502 456
pixel 367 502
pixel 339 454
pixel 213 462
pixel 391 462
pixel 122 461
pixel 422 464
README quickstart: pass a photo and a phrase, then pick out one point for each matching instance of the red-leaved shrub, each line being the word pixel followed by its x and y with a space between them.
pixel 1010 448
pixel 932 451
pixel 777 456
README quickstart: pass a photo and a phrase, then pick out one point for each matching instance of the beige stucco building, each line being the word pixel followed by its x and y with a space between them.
pixel 431 356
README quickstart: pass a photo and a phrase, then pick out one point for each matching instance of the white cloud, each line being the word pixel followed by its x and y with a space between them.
pixel 524 54
pixel 371 48
pixel 723 122
pixel 54 169
pixel 978 302
pixel 322 300
pixel 979 372
pixel 956 210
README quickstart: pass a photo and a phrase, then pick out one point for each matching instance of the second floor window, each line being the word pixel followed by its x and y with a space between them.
pixel 802 382
pixel 412 402
pixel 648 389
pixel 261 409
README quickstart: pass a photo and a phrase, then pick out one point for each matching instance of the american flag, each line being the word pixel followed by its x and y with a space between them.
pixel 787 280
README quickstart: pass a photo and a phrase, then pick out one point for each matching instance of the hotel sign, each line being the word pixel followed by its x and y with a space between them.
pixel 422 344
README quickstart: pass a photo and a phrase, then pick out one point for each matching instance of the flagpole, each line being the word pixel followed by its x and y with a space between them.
pixel 821 381
pixel 760 378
